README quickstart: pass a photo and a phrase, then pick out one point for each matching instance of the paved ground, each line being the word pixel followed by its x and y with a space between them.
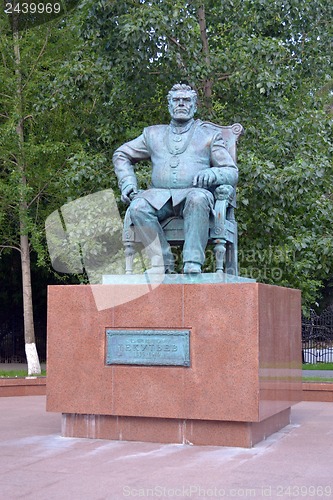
pixel 318 373
pixel 36 463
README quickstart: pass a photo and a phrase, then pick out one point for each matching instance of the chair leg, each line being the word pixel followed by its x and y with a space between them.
pixel 129 256
pixel 219 250
pixel 231 259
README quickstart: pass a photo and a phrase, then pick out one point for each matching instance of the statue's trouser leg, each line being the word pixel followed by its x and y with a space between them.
pixel 146 221
pixel 196 213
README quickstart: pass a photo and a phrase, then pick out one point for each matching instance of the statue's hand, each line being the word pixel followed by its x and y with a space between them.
pixel 205 178
pixel 128 192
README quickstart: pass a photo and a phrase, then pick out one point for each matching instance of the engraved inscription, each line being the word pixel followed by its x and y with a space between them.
pixel 148 347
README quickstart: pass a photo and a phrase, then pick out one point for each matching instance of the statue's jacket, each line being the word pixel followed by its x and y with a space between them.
pixel 176 158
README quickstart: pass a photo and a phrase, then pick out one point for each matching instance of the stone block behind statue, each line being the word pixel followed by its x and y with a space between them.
pixel 189 161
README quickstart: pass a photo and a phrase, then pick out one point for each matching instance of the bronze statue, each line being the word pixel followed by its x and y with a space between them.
pixel 189 160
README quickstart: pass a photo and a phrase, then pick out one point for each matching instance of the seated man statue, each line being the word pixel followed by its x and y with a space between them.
pixel 189 159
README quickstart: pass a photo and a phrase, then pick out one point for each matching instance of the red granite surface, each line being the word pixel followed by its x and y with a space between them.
pixel 245 353
pixel 164 430
pixel 10 387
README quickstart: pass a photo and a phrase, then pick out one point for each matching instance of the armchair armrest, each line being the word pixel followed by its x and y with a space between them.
pixel 225 192
pixel 224 197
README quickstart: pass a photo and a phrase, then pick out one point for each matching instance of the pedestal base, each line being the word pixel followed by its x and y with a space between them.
pixel 177 431
pixel 242 376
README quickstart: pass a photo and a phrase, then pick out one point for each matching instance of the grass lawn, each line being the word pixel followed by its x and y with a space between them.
pixel 318 366
pixel 18 373
pixel 317 379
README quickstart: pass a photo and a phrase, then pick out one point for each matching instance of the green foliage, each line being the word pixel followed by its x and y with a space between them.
pixel 104 75
pixel 269 68
pixel 49 133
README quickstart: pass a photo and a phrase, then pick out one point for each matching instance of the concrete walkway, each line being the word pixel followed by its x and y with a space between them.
pixel 318 373
pixel 36 463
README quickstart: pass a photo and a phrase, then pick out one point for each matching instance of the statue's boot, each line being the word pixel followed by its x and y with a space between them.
pixel 192 268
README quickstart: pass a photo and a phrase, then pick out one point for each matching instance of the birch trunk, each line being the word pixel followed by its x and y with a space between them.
pixel 29 330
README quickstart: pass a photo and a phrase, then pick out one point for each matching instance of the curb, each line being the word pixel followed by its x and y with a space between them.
pixel 311 391
pixel 317 391
pixel 22 386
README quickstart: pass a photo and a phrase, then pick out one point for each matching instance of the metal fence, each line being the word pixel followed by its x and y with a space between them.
pixel 317 337
pixel 12 348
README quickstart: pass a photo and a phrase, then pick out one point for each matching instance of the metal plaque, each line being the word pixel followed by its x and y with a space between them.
pixel 148 347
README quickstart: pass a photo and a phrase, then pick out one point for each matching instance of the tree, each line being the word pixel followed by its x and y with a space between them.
pixel 262 63
pixel 259 62
pixel 33 149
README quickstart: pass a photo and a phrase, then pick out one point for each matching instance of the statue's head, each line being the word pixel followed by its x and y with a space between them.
pixel 182 101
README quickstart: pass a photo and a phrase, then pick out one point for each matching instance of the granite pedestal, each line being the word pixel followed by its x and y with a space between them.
pixel 244 373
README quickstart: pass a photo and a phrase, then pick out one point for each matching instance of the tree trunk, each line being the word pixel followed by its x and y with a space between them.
pixel 205 49
pixel 29 330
